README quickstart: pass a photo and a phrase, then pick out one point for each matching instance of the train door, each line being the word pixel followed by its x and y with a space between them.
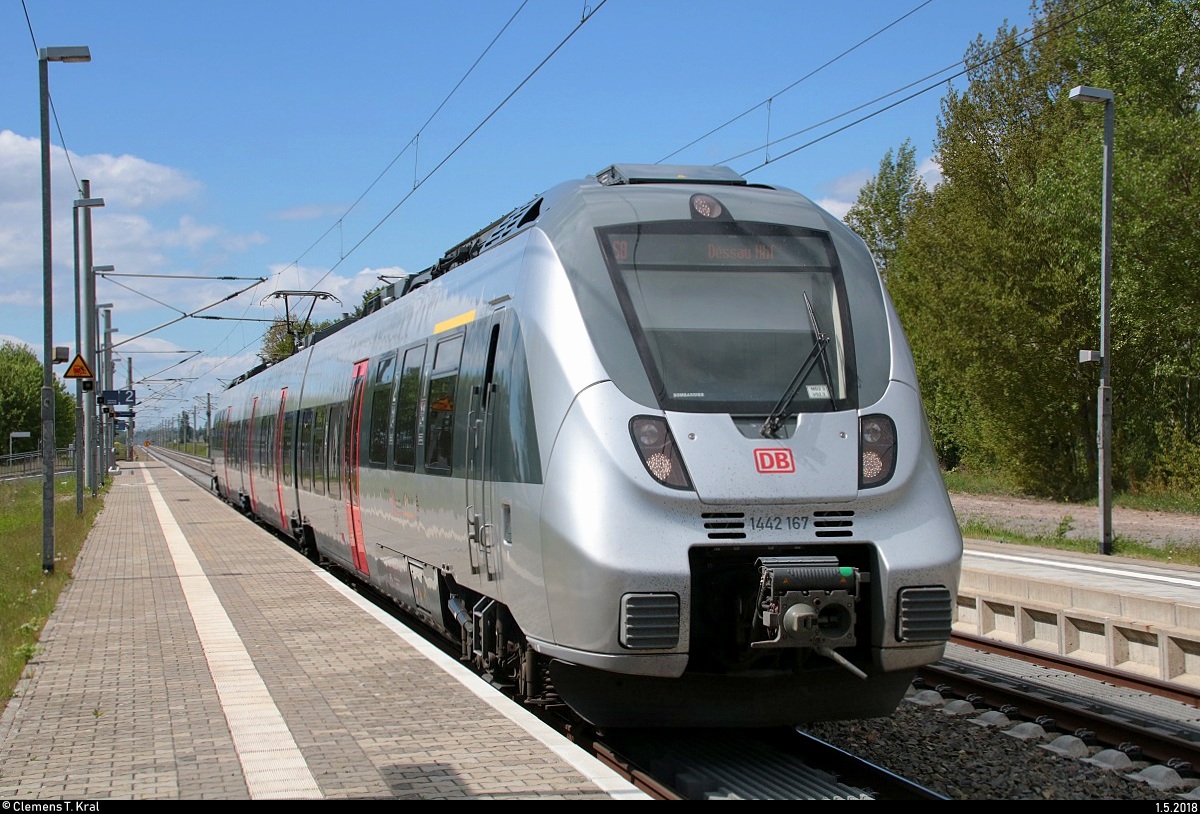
pixel 277 458
pixel 481 524
pixel 252 458
pixel 350 464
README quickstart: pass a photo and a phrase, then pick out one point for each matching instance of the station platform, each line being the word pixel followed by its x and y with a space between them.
pixel 194 657
pixel 1137 616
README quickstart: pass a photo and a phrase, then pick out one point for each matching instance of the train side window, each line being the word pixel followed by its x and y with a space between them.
pixel 381 412
pixel 289 444
pixel 408 396
pixel 272 432
pixel 263 437
pixel 253 445
pixel 335 452
pixel 439 424
pixel 305 466
pixel 318 449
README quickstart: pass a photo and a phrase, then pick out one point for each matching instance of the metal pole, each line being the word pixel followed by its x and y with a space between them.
pixel 106 421
pixel 82 431
pixel 1104 396
pixel 129 422
pixel 1083 93
pixel 85 186
pixel 47 393
pixel 89 354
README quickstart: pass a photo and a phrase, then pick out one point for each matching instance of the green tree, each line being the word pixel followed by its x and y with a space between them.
pixel 279 343
pixel 996 273
pixel 21 374
pixel 881 212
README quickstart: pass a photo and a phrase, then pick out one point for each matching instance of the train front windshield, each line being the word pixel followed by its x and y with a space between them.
pixel 726 315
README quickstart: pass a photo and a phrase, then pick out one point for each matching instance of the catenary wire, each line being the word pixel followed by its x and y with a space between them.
pixel 588 14
pixel 811 73
pixel 966 69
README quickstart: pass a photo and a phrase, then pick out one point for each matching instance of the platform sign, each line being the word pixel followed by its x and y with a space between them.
pixel 118 397
pixel 79 369
pixel 119 425
pixel 122 413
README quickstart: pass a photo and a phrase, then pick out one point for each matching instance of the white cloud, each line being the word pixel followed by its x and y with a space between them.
pixel 128 233
pixel 842 192
pixel 310 212
pixel 846 187
pixel 134 182
pixel 931 172
pixel 131 182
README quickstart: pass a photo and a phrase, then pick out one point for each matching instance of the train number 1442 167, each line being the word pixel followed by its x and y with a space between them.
pixel 777 522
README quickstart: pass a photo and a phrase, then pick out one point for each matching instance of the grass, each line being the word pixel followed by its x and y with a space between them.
pixel 27 595
pixel 976 484
pixel 1148 500
pixel 198 448
pixel 1122 546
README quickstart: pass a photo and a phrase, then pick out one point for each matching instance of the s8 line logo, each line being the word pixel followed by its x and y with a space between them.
pixel 774 461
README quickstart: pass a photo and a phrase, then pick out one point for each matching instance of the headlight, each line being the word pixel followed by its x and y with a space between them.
pixel 876 450
pixel 658 452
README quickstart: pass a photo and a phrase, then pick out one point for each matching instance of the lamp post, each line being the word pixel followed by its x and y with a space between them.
pixel 1083 93
pixel 72 53
pixel 85 203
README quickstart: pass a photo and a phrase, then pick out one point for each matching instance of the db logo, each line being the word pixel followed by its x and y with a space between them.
pixel 774 461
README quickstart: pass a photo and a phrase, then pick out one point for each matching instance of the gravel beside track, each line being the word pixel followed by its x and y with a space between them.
pixel 964 761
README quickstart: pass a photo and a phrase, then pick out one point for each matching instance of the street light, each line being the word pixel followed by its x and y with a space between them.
pixel 73 53
pixel 1083 93
pixel 86 204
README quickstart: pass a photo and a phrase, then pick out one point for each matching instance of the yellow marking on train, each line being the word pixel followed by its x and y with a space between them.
pixel 454 322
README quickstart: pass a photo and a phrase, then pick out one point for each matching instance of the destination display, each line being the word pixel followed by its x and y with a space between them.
pixel 693 250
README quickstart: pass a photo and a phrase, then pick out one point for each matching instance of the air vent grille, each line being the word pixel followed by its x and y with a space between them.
pixel 649 621
pixel 511 222
pixel 924 614
pixel 834 524
pixel 725 525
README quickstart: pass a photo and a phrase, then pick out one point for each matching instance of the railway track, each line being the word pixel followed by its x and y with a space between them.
pixel 1116 723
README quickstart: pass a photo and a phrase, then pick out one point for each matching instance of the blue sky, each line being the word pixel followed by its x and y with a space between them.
pixel 298 141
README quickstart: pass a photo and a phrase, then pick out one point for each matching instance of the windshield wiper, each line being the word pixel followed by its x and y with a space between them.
pixel 775 420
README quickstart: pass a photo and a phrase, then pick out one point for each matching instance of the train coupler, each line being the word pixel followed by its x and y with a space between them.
pixel 807 602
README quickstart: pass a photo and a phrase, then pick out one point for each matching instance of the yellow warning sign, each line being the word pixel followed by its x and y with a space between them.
pixel 79 369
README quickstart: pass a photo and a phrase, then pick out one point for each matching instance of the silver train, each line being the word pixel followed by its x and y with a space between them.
pixel 651 446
